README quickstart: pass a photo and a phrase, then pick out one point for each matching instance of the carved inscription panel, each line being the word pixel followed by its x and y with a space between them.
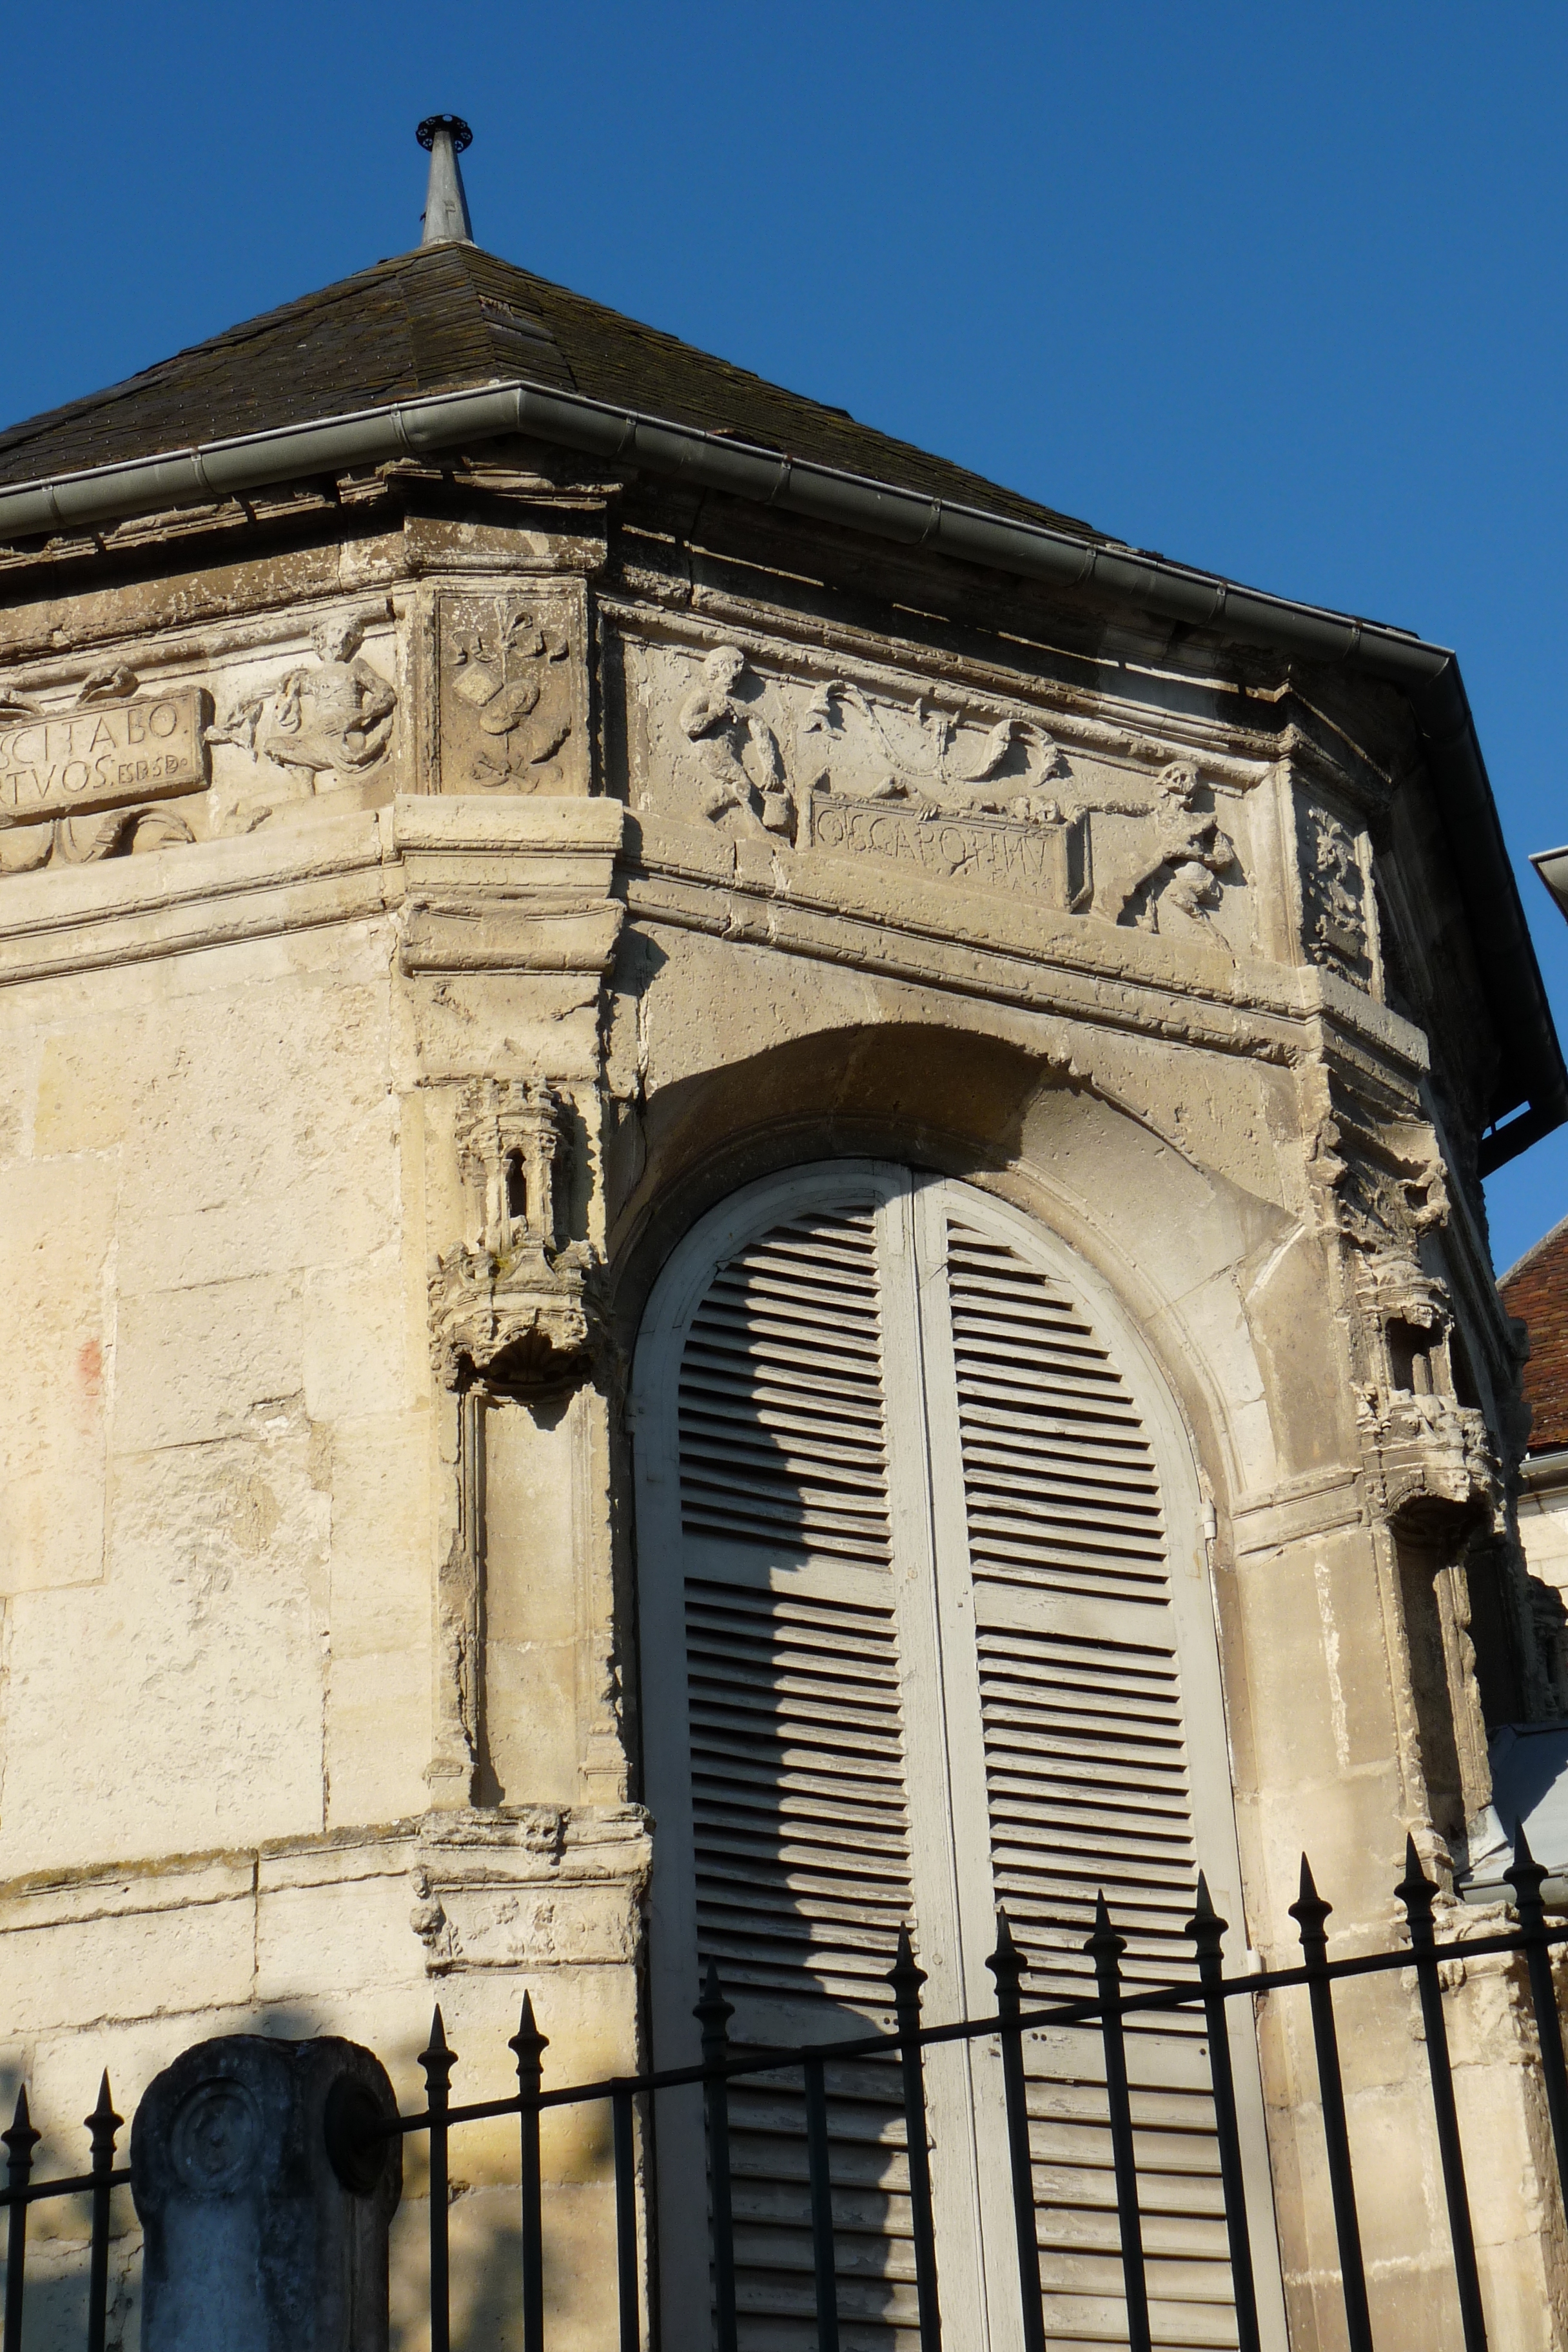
pixel 512 692
pixel 100 756
pixel 960 791
pixel 1047 861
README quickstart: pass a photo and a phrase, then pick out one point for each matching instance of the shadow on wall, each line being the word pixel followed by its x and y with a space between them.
pixel 486 2242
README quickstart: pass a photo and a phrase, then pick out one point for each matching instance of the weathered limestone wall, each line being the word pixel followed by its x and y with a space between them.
pixel 549 874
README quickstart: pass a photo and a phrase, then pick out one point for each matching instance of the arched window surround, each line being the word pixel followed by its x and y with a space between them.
pixel 959 1980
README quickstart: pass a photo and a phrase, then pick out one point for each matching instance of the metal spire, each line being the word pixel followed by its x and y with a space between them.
pixel 446 218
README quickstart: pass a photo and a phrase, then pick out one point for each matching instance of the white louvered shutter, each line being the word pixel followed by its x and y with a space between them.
pixel 909 1650
pixel 792 1795
pixel 1088 1784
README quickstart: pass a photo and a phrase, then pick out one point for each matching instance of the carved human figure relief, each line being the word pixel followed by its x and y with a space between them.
pixel 512 694
pixel 289 730
pixel 738 750
pixel 1175 856
pixel 935 784
pixel 335 718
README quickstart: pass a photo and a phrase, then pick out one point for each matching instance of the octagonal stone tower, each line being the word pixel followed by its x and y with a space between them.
pixel 659 1049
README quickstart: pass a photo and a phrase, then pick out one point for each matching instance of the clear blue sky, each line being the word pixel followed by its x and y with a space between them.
pixel 1279 290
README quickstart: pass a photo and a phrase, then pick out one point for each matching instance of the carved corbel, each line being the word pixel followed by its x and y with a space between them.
pixel 513 1307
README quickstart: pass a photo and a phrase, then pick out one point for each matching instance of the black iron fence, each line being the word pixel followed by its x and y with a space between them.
pixel 356 2133
pixel 1111 2008
pixel 22 2192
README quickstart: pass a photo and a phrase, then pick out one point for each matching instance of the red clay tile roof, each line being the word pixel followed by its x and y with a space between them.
pixel 450 315
pixel 1536 1290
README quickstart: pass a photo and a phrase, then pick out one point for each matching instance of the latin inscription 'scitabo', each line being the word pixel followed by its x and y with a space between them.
pixel 101 757
pixel 1044 861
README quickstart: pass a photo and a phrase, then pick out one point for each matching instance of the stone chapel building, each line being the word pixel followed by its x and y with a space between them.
pixel 741 1200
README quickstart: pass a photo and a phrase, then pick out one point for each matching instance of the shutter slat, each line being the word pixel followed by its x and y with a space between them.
pixel 806 1856
pixel 781 1437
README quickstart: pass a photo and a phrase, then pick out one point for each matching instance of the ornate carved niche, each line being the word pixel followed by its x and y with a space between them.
pixel 514 1305
pixel 1434 1457
pixel 512 690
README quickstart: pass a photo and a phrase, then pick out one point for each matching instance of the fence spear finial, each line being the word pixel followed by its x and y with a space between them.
pixel 528 2041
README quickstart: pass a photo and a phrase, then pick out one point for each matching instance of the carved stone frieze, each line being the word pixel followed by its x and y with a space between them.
pixel 531 1888
pixel 512 692
pixel 948 791
pixel 514 1305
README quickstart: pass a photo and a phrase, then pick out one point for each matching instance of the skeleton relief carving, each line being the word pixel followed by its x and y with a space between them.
pixel 510 695
pixel 943 789
pixel 1175 858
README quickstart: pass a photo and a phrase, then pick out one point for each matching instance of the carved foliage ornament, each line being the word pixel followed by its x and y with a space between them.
pixel 510 699
pixel 512 1307
pixel 1335 921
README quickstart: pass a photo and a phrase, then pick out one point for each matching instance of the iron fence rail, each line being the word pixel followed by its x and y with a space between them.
pixel 21 2193
pixel 1110 2006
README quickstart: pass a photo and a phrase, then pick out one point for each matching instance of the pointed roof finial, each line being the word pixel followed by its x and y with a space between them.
pixel 446 218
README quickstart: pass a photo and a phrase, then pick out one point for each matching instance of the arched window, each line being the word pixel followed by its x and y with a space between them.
pixel 926 1629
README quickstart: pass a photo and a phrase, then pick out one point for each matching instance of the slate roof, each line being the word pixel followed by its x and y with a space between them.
pixel 449 316
pixel 1536 1290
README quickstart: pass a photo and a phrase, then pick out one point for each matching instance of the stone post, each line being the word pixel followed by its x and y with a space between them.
pixel 265 2219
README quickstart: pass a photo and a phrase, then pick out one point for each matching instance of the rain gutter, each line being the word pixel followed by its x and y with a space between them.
pixel 1532 1095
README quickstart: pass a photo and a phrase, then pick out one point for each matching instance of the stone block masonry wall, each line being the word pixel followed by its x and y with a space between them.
pixel 551 874
pixel 216 1572
pixel 216 1556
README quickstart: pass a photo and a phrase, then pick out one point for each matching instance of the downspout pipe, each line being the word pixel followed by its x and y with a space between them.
pixel 1533 1082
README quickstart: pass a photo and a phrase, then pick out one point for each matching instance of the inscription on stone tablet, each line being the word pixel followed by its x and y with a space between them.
pixel 102 756
pixel 1049 861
